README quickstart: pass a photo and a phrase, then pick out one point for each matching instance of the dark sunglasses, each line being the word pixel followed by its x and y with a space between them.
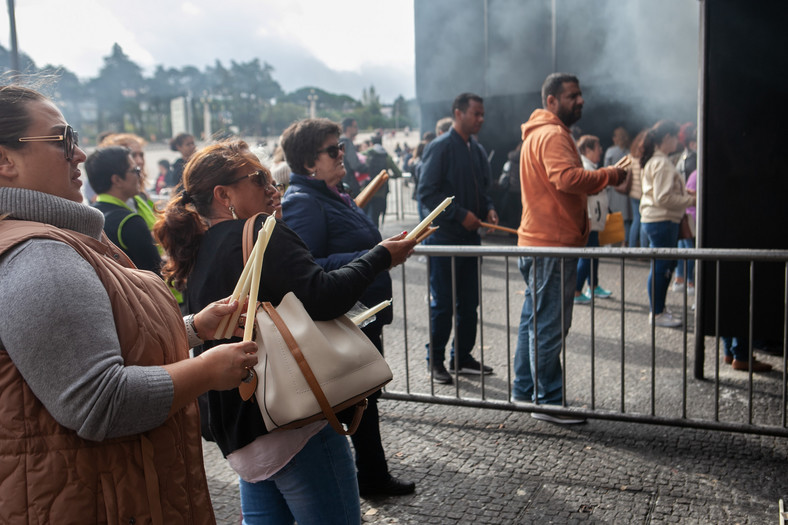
pixel 333 150
pixel 69 138
pixel 258 178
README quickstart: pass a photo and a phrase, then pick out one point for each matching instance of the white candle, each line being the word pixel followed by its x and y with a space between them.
pixel 429 218
pixel 262 239
pixel 366 314
pixel 241 290
pixel 227 326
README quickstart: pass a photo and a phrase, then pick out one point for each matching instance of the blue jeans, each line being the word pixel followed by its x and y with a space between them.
pixel 441 311
pixel 588 268
pixel 636 239
pixel 690 278
pixel 317 486
pixel 663 234
pixel 538 354
pixel 731 347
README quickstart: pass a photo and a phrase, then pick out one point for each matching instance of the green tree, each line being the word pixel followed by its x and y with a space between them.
pixel 26 64
pixel 368 114
pixel 251 91
pixel 117 89
pixel 281 115
pixel 67 92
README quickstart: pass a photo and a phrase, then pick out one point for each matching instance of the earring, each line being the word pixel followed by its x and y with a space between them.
pixel 232 210
pixel 313 174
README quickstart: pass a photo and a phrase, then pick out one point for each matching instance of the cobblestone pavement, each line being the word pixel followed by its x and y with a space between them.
pixel 489 466
pixel 498 466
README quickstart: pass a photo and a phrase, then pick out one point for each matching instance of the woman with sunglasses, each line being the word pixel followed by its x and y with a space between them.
pixel 306 474
pixel 114 175
pixel 336 232
pixel 99 421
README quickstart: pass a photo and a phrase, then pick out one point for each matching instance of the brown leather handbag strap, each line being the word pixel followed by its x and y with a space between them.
pixel 311 380
pixel 249 235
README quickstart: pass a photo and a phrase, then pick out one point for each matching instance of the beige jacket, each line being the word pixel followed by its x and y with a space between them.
pixel 664 196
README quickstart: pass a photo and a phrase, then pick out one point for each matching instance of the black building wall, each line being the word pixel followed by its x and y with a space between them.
pixel 637 61
pixel 743 156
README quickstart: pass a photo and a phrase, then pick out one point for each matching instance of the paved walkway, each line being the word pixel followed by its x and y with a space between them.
pixel 498 466
pixel 494 467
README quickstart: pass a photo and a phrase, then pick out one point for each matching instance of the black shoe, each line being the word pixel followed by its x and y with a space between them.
pixel 391 487
pixel 472 367
pixel 441 375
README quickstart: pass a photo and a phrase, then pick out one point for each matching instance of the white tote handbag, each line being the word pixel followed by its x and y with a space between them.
pixel 310 370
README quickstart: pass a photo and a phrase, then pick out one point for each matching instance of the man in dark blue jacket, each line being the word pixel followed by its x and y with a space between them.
pixel 455 164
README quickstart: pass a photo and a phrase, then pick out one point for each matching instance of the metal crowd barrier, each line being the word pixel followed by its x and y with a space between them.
pixel 399 203
pixel 616 365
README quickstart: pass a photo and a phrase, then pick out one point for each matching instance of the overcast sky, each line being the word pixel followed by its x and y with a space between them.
pixel 341 46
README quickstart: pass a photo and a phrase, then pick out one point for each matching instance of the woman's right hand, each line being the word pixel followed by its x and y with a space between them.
pixel 399 248
pixel 229 364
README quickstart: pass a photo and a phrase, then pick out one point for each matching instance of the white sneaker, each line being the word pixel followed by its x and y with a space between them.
pixel 690 289
pixel 678 287
pixel 665 320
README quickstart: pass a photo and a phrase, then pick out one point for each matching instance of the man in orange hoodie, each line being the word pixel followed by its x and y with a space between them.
pixel 554 189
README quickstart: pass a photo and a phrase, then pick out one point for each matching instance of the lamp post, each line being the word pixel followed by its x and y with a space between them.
pixel 312 98
pixel 14 48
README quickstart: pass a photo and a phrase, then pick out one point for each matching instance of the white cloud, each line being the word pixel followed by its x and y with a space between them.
pixel 363 41
pixel 191 9
pixel 76 35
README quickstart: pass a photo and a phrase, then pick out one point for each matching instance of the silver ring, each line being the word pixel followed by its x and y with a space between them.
pixel 249 376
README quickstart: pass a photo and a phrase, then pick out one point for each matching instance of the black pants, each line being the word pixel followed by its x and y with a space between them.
pixel 370 457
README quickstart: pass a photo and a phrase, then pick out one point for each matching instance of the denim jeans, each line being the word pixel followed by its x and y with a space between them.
pixel 538 354
pixel 636 237
pixel 441 311
pixel 317 486
pixel 662 234
pixel 690 278
pixel 736 347
pixel 732 348
pixel 588 268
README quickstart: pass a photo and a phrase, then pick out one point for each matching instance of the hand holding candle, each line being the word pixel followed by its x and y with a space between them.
pixel 363 316
pixel 417 231
pixel 249 283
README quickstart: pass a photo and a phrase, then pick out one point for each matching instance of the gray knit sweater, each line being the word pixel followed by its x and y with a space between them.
pixel 57 327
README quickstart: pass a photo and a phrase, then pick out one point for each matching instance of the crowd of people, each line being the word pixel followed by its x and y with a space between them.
pixel 105 397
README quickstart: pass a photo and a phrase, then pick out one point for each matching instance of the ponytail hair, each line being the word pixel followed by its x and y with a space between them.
pixel 183 224
pixel 179 230
pixel 654 138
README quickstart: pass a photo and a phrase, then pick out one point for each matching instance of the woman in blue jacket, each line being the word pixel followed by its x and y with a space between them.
pixel 337 232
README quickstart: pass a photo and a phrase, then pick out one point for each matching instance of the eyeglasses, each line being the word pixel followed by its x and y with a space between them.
pixel 333 150
pixel 258 178
pixel 69 138
pixel 136 170
pixel 281 188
